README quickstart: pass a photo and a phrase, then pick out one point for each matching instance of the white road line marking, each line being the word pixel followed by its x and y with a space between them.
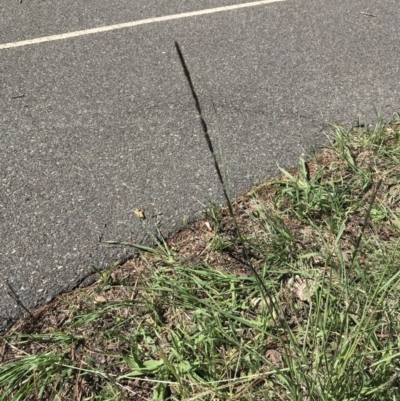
pixel 132 23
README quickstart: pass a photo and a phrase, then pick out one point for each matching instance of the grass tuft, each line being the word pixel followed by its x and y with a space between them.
pixel 188 320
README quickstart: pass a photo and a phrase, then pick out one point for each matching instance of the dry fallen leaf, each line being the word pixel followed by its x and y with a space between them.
pixel 301 288
pixel 100 299
pixel 368 14
pixel 139 213
pixel 275 357
pixel 207 224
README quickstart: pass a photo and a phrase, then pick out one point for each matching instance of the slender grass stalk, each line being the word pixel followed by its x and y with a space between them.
pixel 222 178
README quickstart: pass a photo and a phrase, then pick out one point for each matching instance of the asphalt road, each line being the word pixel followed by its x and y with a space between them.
pixel 95 126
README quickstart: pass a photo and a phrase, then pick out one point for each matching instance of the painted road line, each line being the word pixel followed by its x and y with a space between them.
pixel 131 24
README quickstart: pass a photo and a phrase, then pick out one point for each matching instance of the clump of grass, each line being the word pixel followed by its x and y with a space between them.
pixel 290 293
pixel 189 319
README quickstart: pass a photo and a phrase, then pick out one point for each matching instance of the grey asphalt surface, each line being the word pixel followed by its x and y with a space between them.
pixel 96 126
